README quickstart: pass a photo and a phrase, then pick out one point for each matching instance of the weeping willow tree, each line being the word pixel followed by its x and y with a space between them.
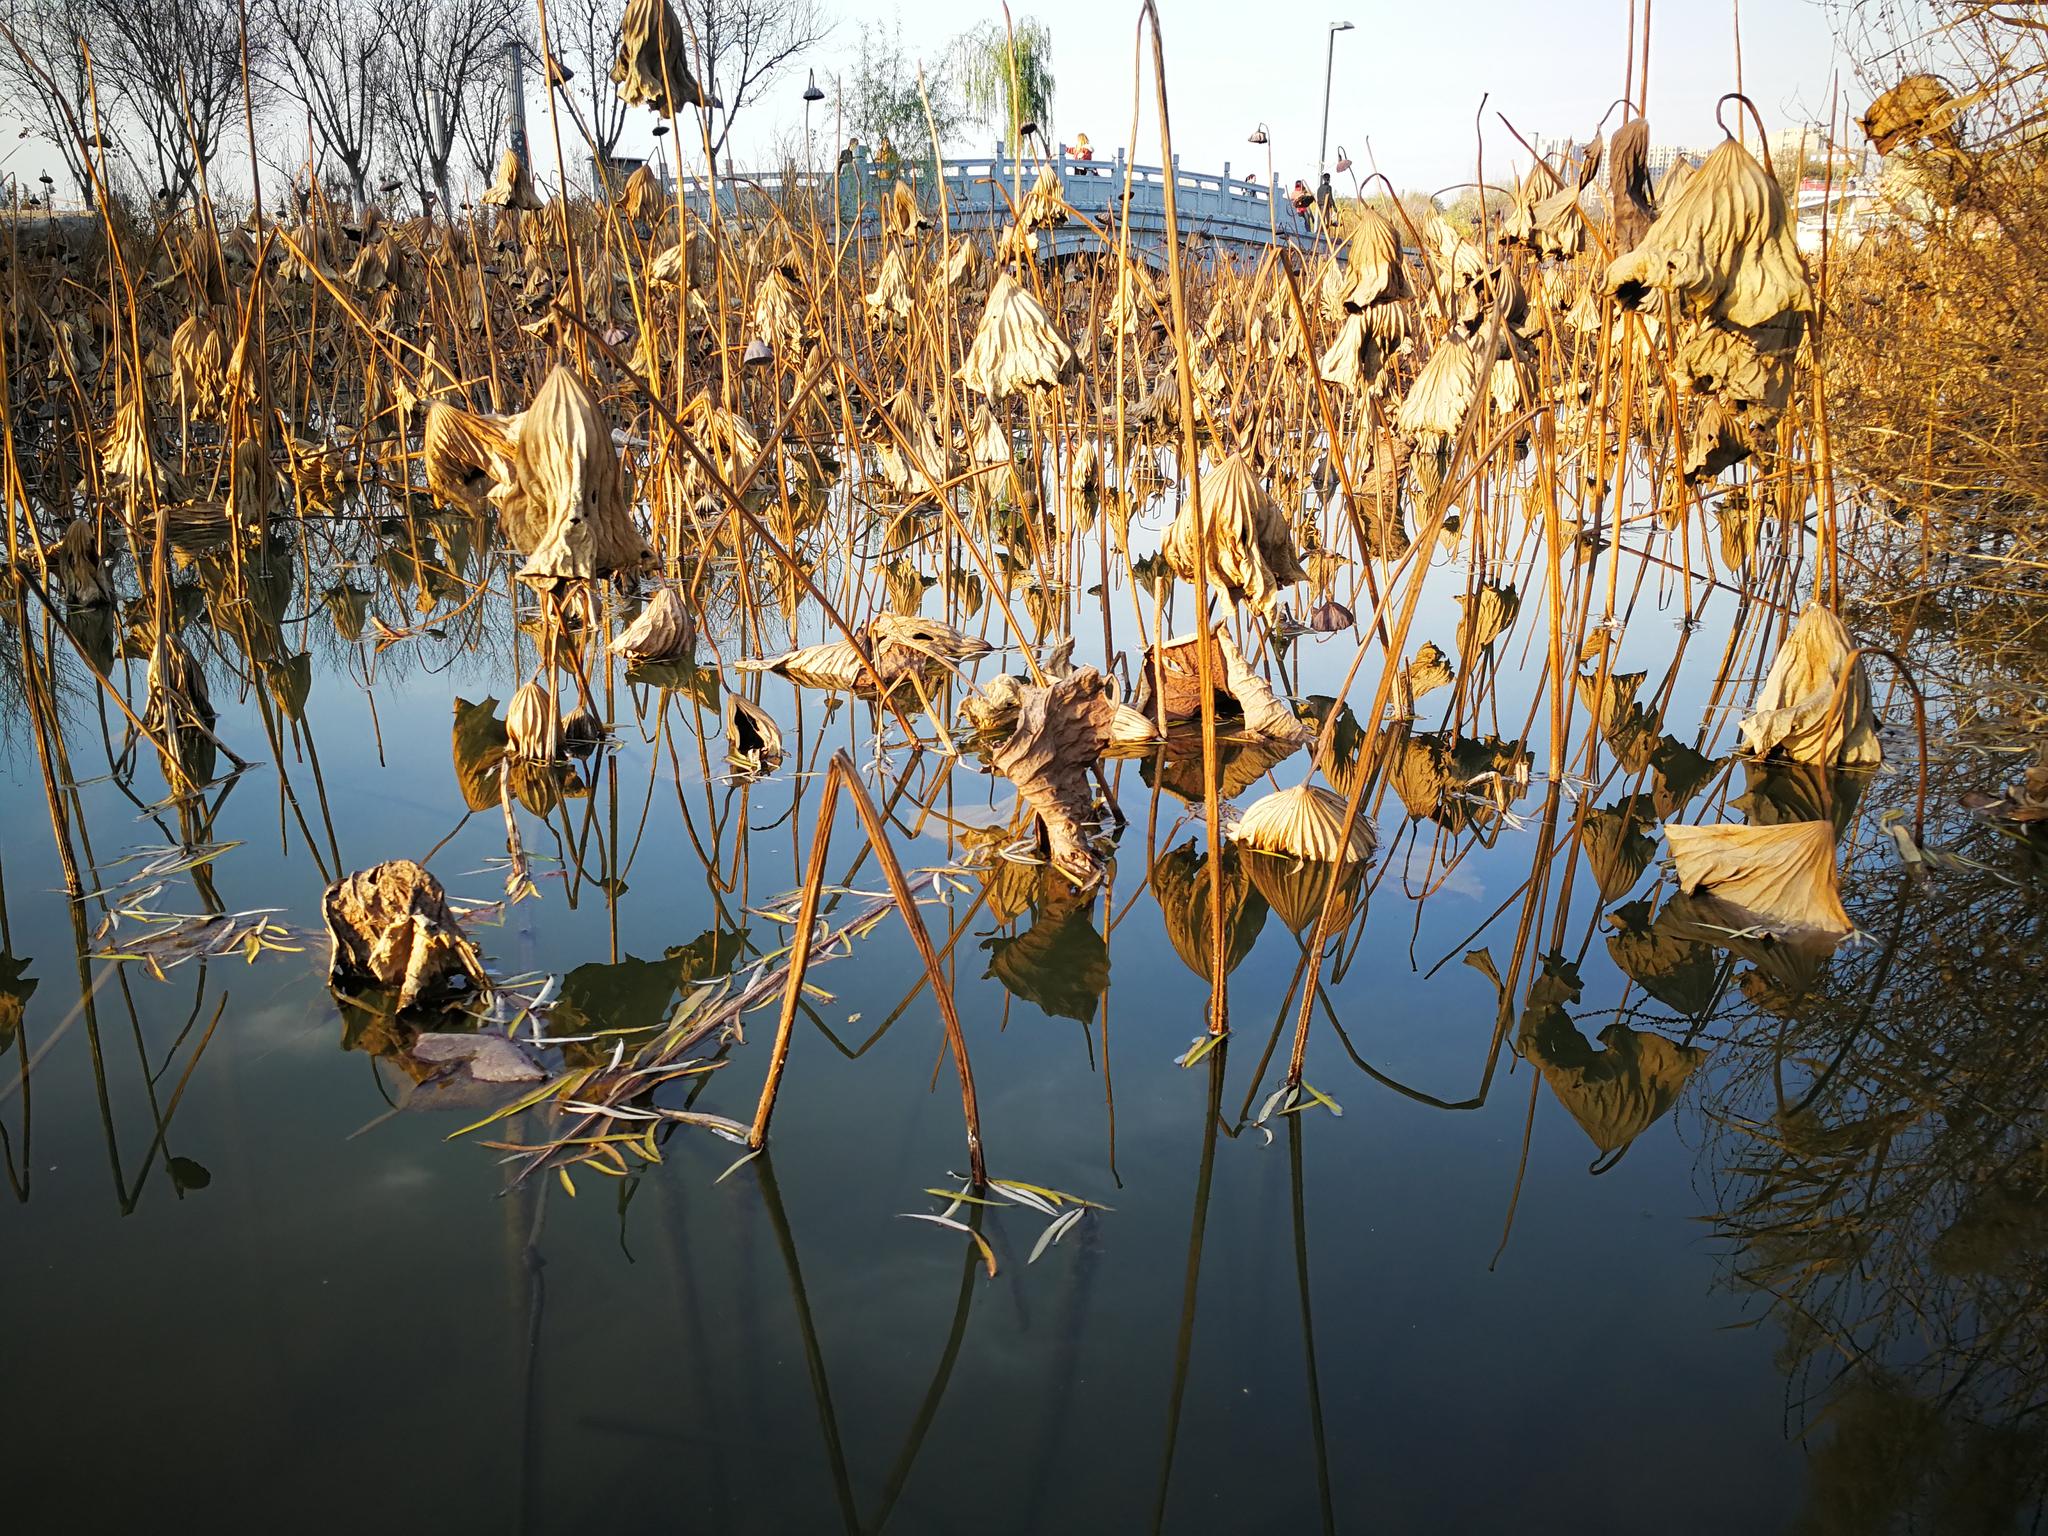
pixel 1005 75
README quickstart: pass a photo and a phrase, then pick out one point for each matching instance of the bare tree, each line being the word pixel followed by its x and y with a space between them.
pixel 586 41
pixel 176 65
pixel 43 72
pixel 444 55
pixel 330 57
pixel 743 45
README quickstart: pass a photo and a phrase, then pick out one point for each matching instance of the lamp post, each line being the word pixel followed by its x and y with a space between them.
pixel 1329 63
pixel 1260 137
pixel 811 94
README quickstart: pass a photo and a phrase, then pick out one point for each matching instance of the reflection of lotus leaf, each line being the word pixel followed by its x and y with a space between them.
pixel 1789 965
pixel 15 991
pixel 1294 889
pixel 349 608
pixel 479 745
pixel 684 677
pixel 1780 792
pixel 1488 613
pixel 1180 882
pixel 1177 766
pixel 1060 962
pixel 1681 773
pixel 1677 970
pixel 291 680
pixel 1615 1093
pixel 1617 848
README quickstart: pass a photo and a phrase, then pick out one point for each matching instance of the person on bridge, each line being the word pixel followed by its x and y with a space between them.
pixel 1303 200
pixel 1083 150
pixel 887 162
pixel 1326 203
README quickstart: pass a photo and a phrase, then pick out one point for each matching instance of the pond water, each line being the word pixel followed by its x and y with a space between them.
pixel 1773 1269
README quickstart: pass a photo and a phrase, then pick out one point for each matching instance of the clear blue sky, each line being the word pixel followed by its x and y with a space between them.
pixel 1409 78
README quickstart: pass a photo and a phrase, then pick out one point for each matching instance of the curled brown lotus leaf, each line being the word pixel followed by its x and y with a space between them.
pixel 892 297
pixel 779 314
pixel 1619 1091
pixel 1918 107
pixel 75 562
pixel 1294 889
pixel 568 472
pixel 255 489
pixel 469 460
pixel 664 630
pixel 1060 732
pixel 1488 612
pixel 1780 878
pixel 963 262
pixel 1723 247
pixel 753 741
pixel 900 213
pixel 1250 547
pixel 1435 405
pixel 1628 184
pixel 129 458
pixel 1609 699
pixel 652 63
pixel 1560 225
pixel 391 926
pixel 1044 206
pixel 1016 346
pixel 198 372
pixel 1306 823
pixel 1618 850
pixel 642 197
pixel 1172 672
pixel 913 457
pixel 1353 360
pixel 1739 521
pixel 1807 709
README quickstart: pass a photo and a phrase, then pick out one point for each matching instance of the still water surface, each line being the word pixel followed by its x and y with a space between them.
pixel 245 1273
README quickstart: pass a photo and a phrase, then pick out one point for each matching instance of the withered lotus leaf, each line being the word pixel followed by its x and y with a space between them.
pixel 568 472
pixel 652 63
pixel 1305 822
pixel 1060 732
pixel 1436 402
pixel 664 630
pixel 753 741
pixel 892 296
pixel 512 187
pixel 1918 107
pixel 1723 247
pixel 1628 184
pixel 1250 547
pixel 1016 346
pixel 1780 877
pixel 1807 710
pixel 390 926
pixel 1488 612
pixel 468 460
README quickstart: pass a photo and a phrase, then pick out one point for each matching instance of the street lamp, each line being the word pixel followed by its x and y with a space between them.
pixel 811 94
pixel 1329 63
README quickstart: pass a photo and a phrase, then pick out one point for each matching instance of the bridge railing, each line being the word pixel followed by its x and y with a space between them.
pixel 979 191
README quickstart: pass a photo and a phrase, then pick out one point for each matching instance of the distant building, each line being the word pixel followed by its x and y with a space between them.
pixel 1565 152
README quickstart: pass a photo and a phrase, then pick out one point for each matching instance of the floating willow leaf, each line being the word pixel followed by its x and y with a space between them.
pixel 391 926
pixel 1814 705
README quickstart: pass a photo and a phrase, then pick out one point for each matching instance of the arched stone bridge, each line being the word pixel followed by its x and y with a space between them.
pixel 1235 214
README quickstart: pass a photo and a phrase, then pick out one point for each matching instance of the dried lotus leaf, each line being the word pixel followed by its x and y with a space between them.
pixel 1305 822
pixel 567 473
pixel 1723 246
pixel 391 926
pixel 512 186
pixel 1488 613
pixel 1918 107
pixel 533 724
pixel 1180 884
pixel 1250 547
pixel 1060 732
pixel 664 630
pixel 1808 710
pixel 753 741
pixel 1437 401
pixel 1781 878
pixel 652 62
pixel 1016 346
